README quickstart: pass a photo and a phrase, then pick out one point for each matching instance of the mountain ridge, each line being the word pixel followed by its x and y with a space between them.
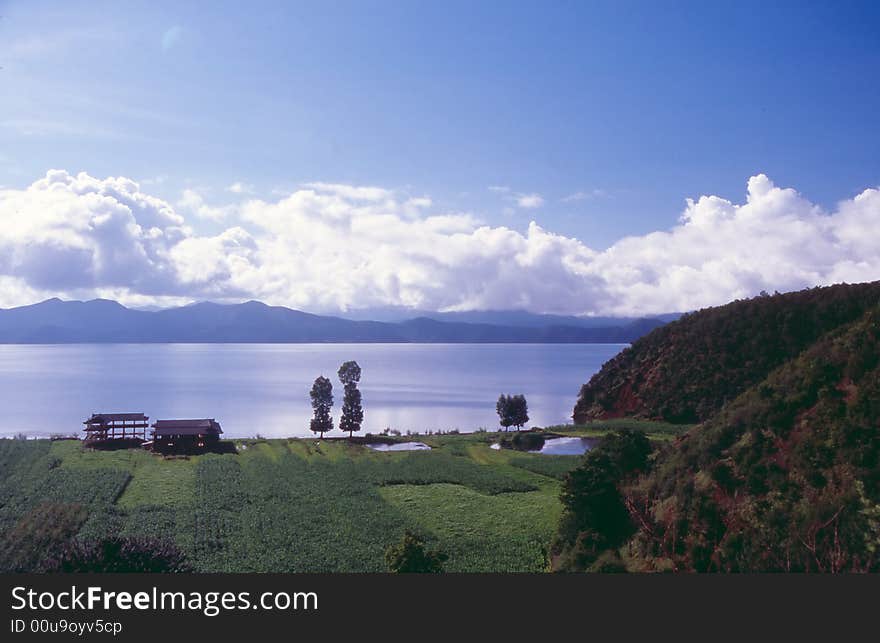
pixel 107 321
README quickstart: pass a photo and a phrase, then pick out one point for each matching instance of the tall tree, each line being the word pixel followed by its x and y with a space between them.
pixel 322 402
pixel 502 407
pixel 513 410
pixel 352 410
pixel 519 411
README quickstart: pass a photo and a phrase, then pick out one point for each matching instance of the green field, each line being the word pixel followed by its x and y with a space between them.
pixel 287 505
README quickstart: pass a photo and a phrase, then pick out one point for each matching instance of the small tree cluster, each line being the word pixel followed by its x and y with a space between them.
pixel 410 556
pixel 513 410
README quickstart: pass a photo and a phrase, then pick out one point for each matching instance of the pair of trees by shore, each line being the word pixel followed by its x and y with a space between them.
pixel 322 401
pixel 513 410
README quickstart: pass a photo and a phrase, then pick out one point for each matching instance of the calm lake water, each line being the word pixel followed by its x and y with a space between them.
pixel 264 388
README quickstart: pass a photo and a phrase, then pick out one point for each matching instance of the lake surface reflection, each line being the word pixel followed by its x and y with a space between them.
pixel 566 446
pixel 264 388
pixel 400 446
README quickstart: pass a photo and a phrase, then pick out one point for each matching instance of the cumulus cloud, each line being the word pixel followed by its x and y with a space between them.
pixel 192 201
pixel 776 240
pixel 214 264
pixel 332 246
pixel 66 233
pixel 327 251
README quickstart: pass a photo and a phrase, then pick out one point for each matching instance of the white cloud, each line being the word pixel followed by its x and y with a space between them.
pixel 420 202
pixel 194 202
pixel 521 200
pixel 68 233
pixel 240 188
pixel 328 246
pixel 14 291
pixel 215 263
pixel 352 192
pixel 720 251
pixel 529 201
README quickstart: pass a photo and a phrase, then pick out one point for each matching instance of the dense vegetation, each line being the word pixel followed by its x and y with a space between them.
pixel 117 555
pixel 277 506
pixel 687 370
pixel 409 556
pixel 784 476
pixel 596 519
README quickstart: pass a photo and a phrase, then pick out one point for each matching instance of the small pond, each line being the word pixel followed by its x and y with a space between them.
pixel 399 446
pixel 558 446
pixel 566 446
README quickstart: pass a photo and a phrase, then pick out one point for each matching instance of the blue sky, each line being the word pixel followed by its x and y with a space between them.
pixel 596 120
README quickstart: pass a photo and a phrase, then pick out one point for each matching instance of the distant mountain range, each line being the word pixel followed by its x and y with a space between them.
pixel 500 317
pixel 102 321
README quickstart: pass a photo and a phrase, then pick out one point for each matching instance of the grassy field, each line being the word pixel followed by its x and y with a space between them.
pixel 288 505
pixel 657 431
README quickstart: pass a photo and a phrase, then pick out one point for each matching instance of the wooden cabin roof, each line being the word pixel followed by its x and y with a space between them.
pixel 186 427
pixel 102 418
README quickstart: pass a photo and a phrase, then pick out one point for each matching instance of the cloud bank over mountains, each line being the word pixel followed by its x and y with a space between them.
pixel 329 247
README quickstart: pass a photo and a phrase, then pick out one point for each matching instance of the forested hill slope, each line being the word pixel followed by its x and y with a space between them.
pixel 785 478
pixel 687 370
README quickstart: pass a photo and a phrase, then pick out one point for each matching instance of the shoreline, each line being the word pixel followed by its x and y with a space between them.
pixel 656 431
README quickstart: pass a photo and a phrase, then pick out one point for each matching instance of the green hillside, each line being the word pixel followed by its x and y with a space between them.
pixel 785 477
pixel 687 370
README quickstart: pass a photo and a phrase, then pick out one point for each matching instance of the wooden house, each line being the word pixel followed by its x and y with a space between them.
pixel 115 430
pixel 186 436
